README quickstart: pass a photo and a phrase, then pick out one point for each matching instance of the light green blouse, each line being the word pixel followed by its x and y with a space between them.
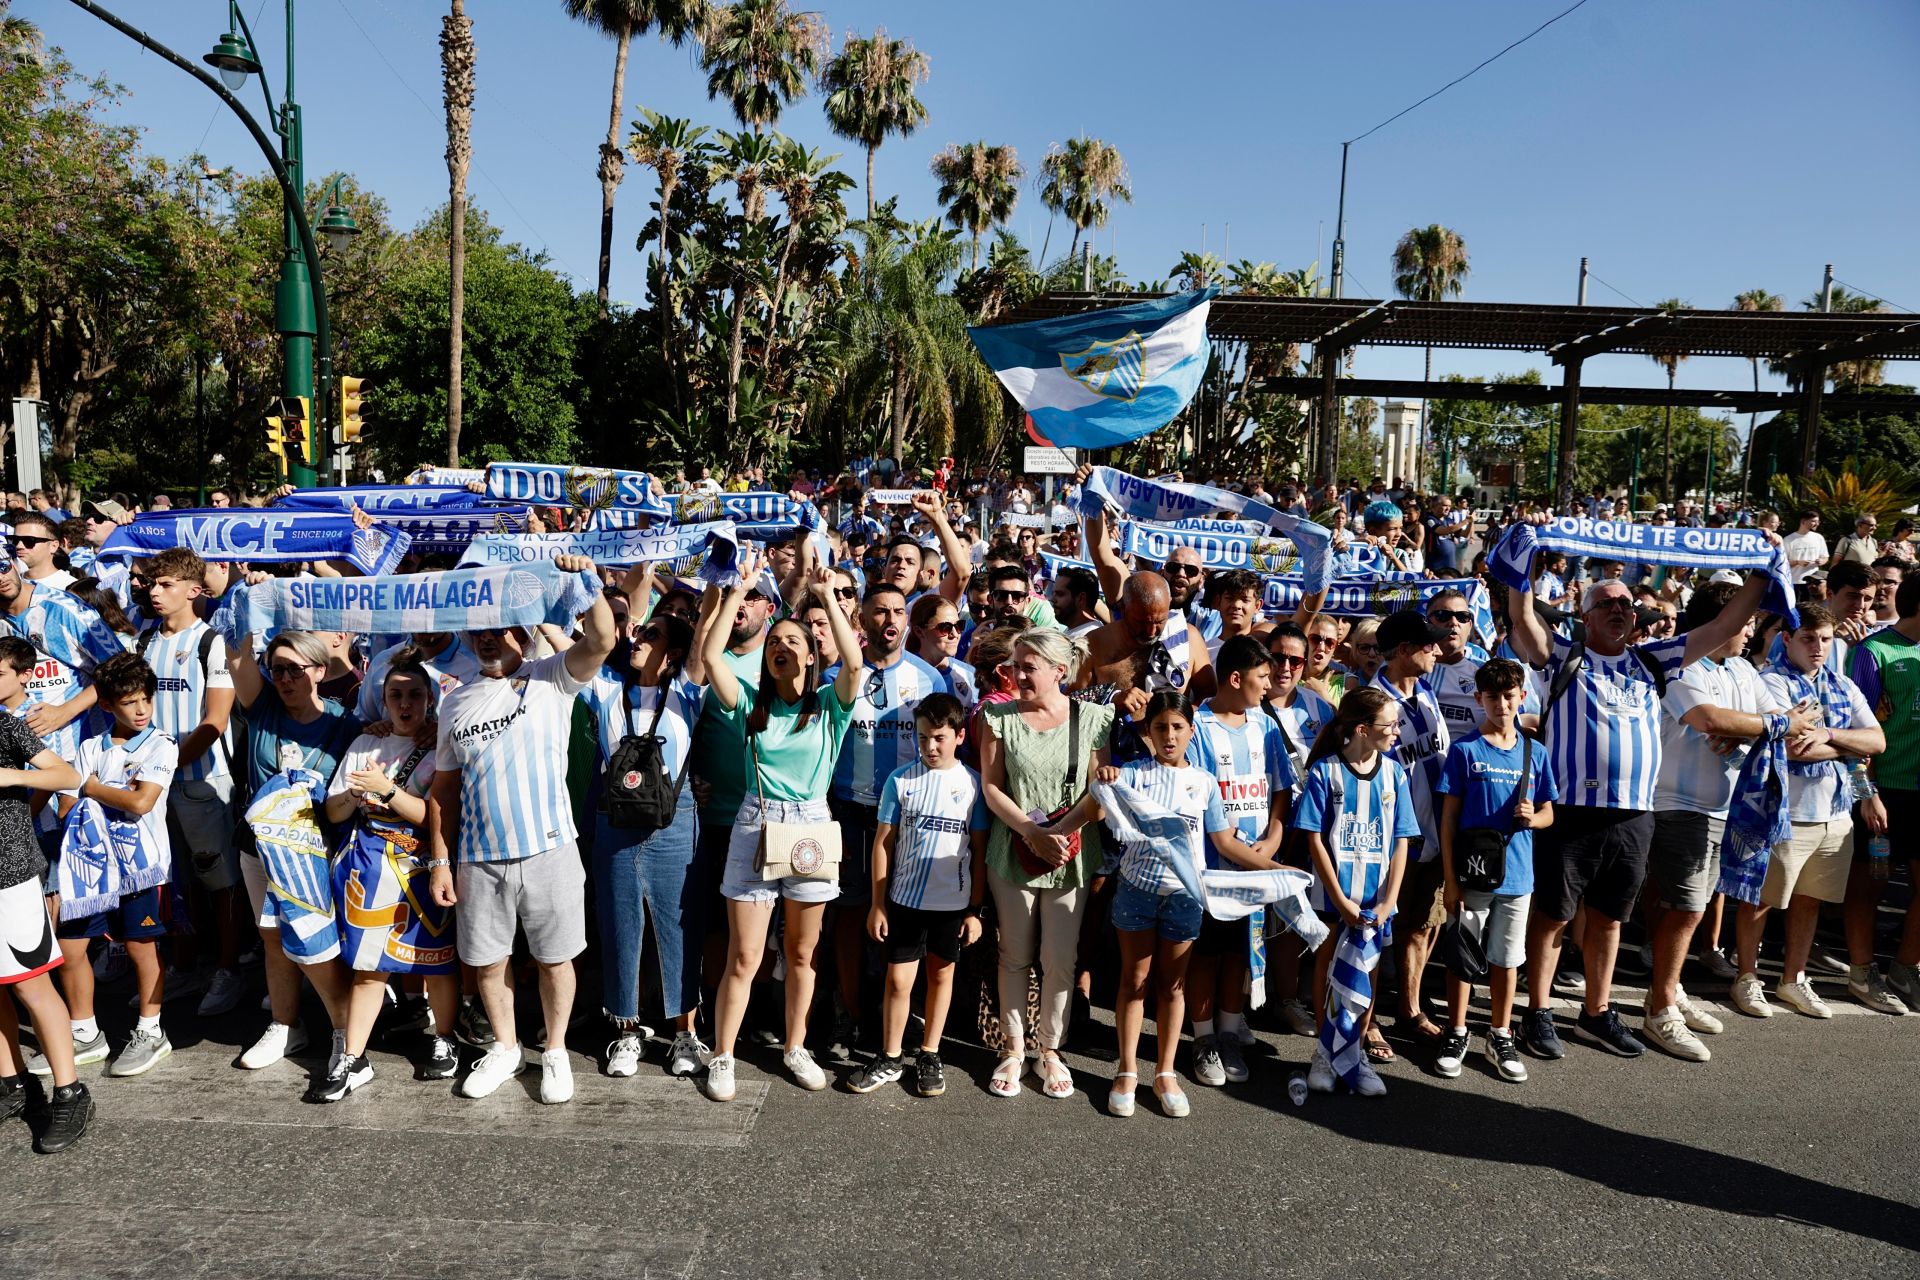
pixel 1036 764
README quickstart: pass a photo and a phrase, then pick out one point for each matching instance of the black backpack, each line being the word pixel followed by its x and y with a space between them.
pixel 636 793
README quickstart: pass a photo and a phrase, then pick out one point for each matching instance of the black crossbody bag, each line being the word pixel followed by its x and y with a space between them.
pixel 1480 855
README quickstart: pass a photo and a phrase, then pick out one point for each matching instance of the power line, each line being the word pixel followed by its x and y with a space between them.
pixel 1622 292
pixel 1868 293
pixel 1456 80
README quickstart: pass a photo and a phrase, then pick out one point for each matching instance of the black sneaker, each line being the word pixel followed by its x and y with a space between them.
pixel 348 1074
pixel 1605 1030
pixel 443 1062
pixel 472 1026
pixel 412 1013
pixel 1538 1036
pixel 14 1096
pixel 846 1037
pixel 929 1079
pixel 1453 1050
pixel 882 1070
pixel 67 1116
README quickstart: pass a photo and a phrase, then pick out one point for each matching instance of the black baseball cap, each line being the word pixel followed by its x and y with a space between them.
pixel 1409 626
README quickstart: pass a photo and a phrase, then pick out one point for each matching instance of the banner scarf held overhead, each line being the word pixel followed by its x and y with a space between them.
pixel 1377 597
pixel 427 474
pixel 757 516
pixel 263 537
pixel 448 531
pixel 1674 546
pixel 1164 501
pixel 717 545
pixel 377 499
pixel 455 600
pixel 1104 377
pixel 549 484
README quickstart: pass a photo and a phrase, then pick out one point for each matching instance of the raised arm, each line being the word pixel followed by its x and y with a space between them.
pixel 248 679
pixel 720 678
pixel 1528 635
pixel 695 668
pixel 597 629
pixel 953 583
pixel 1097 542
pixel 1714 634
pixel 853 663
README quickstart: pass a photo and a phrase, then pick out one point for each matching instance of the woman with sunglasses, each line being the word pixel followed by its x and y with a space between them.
pixel 1323 675
pixel 653 685
pixel 935 626
pixel 288 724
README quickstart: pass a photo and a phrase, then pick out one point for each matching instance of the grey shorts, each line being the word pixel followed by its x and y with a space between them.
pixel 1501 922
pixel 200 820
pixel 546 895
pixel 1683 861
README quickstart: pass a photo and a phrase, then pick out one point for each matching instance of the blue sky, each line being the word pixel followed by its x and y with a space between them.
pixel 1690 148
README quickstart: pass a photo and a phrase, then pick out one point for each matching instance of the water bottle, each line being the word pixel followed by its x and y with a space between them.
pixel 1879 857
pixel 1297 1089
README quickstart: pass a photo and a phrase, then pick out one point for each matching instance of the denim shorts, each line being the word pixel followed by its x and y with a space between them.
pixel 1175 915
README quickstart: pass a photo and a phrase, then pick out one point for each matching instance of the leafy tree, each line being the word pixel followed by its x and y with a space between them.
pixel 870 90
pixel 1669 359
pixel 979 186
pixel 758 55
pixel 676 21
pixel 1876 487
pixel 671 147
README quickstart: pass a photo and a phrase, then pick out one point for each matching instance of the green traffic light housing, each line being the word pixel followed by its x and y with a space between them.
pixel 235 60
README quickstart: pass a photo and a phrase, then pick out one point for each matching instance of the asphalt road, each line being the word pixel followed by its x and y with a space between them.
pixel 1793 1153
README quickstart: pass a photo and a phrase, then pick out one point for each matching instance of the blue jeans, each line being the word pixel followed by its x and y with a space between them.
pixel 637 875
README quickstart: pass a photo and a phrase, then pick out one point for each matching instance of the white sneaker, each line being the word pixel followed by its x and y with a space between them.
pixel 1320 1077
pixel 223 994
pixel 1872 992
pixel 1299 1017
pixel 275 1043
pixel 1243 1035
pixel 556 1077
pixel 1367 1082
pixel 688 1055
pixel 719 1082
pixel 1750 996
pixel 623 1056
pixel 1667 1030
pixel 496 1066
pixel 1698 1019
pixel 806 1072
pixel 1800 996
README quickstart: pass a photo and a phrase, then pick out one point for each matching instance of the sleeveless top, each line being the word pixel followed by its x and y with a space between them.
pixel 1036 766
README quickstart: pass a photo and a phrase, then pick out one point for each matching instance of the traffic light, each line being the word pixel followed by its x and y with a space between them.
pixel 276 441
pixel 295 415
pixel 349 419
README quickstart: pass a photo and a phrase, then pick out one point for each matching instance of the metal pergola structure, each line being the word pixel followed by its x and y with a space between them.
pixel 1809 343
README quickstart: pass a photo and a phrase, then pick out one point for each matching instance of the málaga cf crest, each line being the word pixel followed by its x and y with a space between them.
pixel 1114 369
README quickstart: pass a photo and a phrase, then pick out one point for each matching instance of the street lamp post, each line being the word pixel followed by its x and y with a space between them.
pixel 300 300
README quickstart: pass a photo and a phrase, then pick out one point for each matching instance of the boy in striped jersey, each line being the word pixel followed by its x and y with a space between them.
pixel 929 878
pixel 72 640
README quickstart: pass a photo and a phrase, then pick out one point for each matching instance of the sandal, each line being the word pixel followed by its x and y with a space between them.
pixel 1378 1050
pixel 1120 1101
pixel 1172 1101
pixel 1423 1026
pixel 1005 1081
pixel 1055 1080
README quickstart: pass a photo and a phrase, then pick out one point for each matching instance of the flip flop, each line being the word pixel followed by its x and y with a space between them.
pixel 1378 1050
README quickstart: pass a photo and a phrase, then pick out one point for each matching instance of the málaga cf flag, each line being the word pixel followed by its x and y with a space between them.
pixel 1105 377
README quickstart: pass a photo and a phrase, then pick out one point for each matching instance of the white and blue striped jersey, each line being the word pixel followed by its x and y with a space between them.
pixel 880 736
pixel 1604 733
pixel 1453 688
pixel 622 707
pixel 933 813
pixel 1250 764
pixel 1373 812
pixel 180 698
pixel 1301 722
pixel 72 640
pixel 1421 750
pixel 962 683
pixel 508 736
pixel 1184 790
pixel 148 756
pixel 454 667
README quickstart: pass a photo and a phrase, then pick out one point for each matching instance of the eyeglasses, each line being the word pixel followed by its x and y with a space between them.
pixel 875 690
pixel 1391 726
pixel 22 540
pixel 944 628
pixel 1290 660
pixel 1366 648
pixel 1449 615
pixel 282 671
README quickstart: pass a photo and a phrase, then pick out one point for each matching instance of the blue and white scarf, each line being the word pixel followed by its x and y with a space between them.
pixel 1757 819
pixel 285 818
pixel 715 547
pixel 262 537
pixel 1165 501
pixel 1247 895
pixel 447 531
pixel 1836 712
pixel 452 601
pixel 1679 547
pixel 446 475
pixel 591 488
pixel 1133 818
pixel 1351 598
pixel 378 498
pixel 1350 994
pixel 758 516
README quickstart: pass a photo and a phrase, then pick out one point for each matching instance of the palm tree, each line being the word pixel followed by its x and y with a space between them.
pixel 1429 265
pixel 456 75
pixel 670 146
pixel 1754 300
pixel 675 20
pixel 979 185
pixel 1197 270
pixel 807 185
pixel 869 92
pixel 748 163
pixel 1851 375
pixel 758 55
pixel 1671 362
pixel 1080 179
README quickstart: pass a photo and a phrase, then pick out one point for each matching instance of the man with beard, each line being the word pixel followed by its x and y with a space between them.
pixel 1076 600
pixel 1147 648
pixel 880 738
pixel 901 567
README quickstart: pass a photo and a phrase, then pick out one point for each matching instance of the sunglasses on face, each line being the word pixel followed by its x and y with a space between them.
pixel 846 593
pixel 140 579
pixel 1449 615
pixel 1007 597
pixel 944 628
pixel 1624 603
pixel 23 540
pixel 1184 571
pixel 282 671
pixel 1289 660
pixel 652 635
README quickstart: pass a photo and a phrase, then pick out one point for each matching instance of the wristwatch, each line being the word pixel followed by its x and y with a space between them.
pixel 392 791
pixel 434 864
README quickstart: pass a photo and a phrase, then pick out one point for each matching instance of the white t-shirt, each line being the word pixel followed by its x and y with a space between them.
pixel 1694 778
pixel 1809 547
pixel 389 753
pixel 149 756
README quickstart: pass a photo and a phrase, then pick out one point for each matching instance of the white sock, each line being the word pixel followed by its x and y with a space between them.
pixel 1202 1027
pixel 1459 1031
pixel 85 1028
pixel 149 1024
pixel 1232 1021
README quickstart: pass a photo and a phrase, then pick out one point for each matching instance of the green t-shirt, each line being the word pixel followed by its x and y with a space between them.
pixel 720 747
pixel 796 763
pixel 1886 667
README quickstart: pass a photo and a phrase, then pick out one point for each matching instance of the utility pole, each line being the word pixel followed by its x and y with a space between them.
pixel 1340 230
pixel 1583 282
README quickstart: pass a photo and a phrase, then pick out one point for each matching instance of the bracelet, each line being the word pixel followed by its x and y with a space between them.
pixel 434 864
pixel 392 791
